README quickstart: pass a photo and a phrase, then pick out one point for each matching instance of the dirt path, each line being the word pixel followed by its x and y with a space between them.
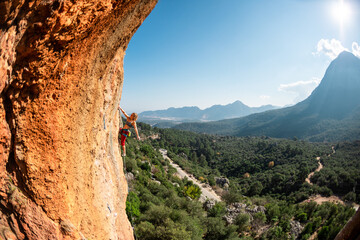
pixel 312 173
pixel 206 191
pixel 319 167
pixel 334 199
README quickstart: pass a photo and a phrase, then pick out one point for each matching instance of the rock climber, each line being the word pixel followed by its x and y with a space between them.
pixel 125 130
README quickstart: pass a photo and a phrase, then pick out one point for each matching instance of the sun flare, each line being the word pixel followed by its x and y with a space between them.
pixel 341 11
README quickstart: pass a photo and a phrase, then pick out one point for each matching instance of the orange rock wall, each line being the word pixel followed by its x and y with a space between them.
pixel 61 74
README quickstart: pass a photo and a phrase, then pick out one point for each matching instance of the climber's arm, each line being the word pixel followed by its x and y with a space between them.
pixel 127 116
pixel 136 131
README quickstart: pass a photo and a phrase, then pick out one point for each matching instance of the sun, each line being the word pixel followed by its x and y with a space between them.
pixel 341 12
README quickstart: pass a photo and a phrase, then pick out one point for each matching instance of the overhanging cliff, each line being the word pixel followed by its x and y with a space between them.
pixel 61 74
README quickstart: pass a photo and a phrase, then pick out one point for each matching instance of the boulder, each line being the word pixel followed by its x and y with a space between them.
pixel 296 229
pixel 209 204
pixel 222 182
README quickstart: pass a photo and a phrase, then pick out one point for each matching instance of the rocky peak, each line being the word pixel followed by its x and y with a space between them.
pixel 338 93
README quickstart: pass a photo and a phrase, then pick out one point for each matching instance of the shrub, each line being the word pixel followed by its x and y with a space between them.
pixel 218 210
pixel 231 197
pixel 273 212
pixel 147 151
pixel 192 191
pixel 216 230
pixel 255 188
pixel 145 230
pixel 276 233
pixel 324 233
pixel 132 205
pixel 259 218
pixel 130 164
pixel 211 180
pixel 242 222
pixel 302 217
pixel 350 196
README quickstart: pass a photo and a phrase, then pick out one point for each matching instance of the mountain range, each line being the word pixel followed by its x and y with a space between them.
pixel 172 116
pixel 330 113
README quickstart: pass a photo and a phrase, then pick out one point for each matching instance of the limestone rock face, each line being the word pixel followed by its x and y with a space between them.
pixel 61 75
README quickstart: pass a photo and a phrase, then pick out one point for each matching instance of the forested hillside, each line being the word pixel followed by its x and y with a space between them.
pixel 262 165
pixel 341 172
pixel 263 201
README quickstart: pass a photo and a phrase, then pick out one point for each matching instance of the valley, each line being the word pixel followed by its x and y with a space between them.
pixel 289 205
pixel 299 164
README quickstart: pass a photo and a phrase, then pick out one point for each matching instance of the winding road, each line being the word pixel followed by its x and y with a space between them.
pixel 206 191
pixel 312 173
pixel 319 167
pixel 320 199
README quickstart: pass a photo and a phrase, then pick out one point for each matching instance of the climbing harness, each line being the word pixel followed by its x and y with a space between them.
pixel 127 134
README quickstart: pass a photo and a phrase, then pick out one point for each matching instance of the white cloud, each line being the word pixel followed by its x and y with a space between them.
pixel 331 48
pixel 264 97
pixel 355 49
pixel 302 89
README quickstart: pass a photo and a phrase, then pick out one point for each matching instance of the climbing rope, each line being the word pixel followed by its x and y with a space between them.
pixel 125 172
pixel 124 163
pixel 131 216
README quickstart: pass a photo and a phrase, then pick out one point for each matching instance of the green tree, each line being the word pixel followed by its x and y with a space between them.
pixel 276 233
pixel 132 205
pixel 302 217
pixel 147 150
pixel 193 191
pixel 202 161
pixel 218 210
pixel 324 233
pixel 350 196
pixel 216 229
pixel 259 218
pixel 273 212
pixel 242 221
pixel 145 230
pixel 231 197
pixel 255 188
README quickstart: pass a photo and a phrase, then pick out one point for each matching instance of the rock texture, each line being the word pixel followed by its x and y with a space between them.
pixel 61 74
pixel 295 229
pixel 351 230
pixel 222 182
pixel 233 210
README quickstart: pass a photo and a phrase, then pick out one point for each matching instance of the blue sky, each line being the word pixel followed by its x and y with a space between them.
pixel 206 52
